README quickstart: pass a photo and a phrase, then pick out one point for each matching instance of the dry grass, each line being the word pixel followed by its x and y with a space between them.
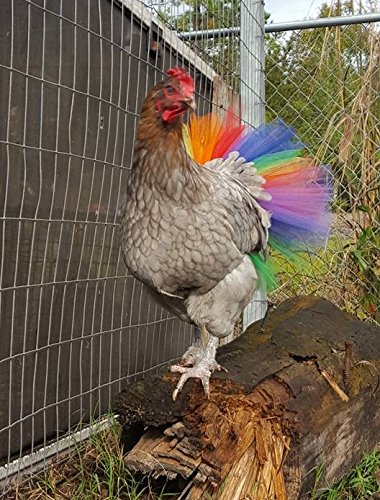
pixel 357 206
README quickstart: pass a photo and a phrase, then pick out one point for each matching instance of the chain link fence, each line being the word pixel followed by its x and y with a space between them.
pixel 325 82
pixel 74 325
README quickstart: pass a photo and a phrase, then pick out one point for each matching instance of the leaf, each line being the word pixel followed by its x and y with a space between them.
pixel 363 208
pixel 360 260
pixel 366 234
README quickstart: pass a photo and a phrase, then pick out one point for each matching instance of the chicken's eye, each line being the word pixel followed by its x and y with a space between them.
pixel 170 89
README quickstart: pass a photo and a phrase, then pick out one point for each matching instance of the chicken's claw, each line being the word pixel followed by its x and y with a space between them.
pixel 202 371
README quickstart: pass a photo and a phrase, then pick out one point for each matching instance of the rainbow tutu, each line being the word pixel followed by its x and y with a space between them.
pixel 301 190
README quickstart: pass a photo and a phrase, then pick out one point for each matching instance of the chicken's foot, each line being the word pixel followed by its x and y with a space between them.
pixel 204 365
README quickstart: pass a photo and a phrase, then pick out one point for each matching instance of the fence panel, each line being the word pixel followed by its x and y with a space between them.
pixel 74 324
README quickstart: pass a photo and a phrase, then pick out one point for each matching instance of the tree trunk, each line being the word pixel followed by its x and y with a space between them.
pixel 301 390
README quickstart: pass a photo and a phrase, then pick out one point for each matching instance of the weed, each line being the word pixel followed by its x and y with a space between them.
pixel 361 483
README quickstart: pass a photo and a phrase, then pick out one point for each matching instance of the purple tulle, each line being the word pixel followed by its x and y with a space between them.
pixel 301 198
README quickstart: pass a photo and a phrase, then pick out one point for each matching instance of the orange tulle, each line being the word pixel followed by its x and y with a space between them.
pixel 211 136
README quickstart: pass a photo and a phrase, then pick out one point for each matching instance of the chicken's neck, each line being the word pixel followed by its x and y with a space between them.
pixel 159 146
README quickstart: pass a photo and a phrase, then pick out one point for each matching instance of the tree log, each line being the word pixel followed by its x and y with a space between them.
pixel 301 390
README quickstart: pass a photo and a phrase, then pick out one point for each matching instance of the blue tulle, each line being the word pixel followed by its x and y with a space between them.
pixel 265 140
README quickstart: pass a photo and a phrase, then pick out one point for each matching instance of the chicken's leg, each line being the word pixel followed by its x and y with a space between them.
pixel 195 351
pixel 203 367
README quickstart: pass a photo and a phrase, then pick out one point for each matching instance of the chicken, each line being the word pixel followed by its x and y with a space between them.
pixel 187 229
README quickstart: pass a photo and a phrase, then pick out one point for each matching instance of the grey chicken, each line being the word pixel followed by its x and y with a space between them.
pixel 187 230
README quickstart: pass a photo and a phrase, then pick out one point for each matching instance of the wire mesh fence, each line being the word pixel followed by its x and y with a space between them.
pixel 74 325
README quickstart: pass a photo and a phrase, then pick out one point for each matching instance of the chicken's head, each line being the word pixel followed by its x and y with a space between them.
pixel 176 95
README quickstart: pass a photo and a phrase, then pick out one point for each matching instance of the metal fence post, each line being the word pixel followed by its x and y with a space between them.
pixel 252 91
pixel 252 57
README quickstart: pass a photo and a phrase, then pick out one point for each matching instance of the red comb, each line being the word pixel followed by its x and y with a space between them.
pixel 187 83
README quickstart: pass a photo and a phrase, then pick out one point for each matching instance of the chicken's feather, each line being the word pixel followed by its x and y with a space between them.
pixel 190 239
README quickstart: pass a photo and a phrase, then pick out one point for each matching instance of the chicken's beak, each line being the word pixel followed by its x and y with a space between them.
pixel 190 103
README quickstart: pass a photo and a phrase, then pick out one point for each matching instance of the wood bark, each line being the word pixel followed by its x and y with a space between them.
pixel 301 391
pixel 223 94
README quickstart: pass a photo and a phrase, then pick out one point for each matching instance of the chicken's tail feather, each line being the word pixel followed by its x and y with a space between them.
pixel 301 190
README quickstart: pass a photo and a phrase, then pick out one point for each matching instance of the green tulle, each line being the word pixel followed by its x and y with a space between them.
pixel 266 271
pixel 269 161
pixel 291 252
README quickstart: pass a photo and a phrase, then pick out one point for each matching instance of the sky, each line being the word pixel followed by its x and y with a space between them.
pixel 292 10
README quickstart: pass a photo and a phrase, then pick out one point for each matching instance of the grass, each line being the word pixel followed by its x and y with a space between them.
pixel 333 274
pixel 95 470
pixel 362 483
